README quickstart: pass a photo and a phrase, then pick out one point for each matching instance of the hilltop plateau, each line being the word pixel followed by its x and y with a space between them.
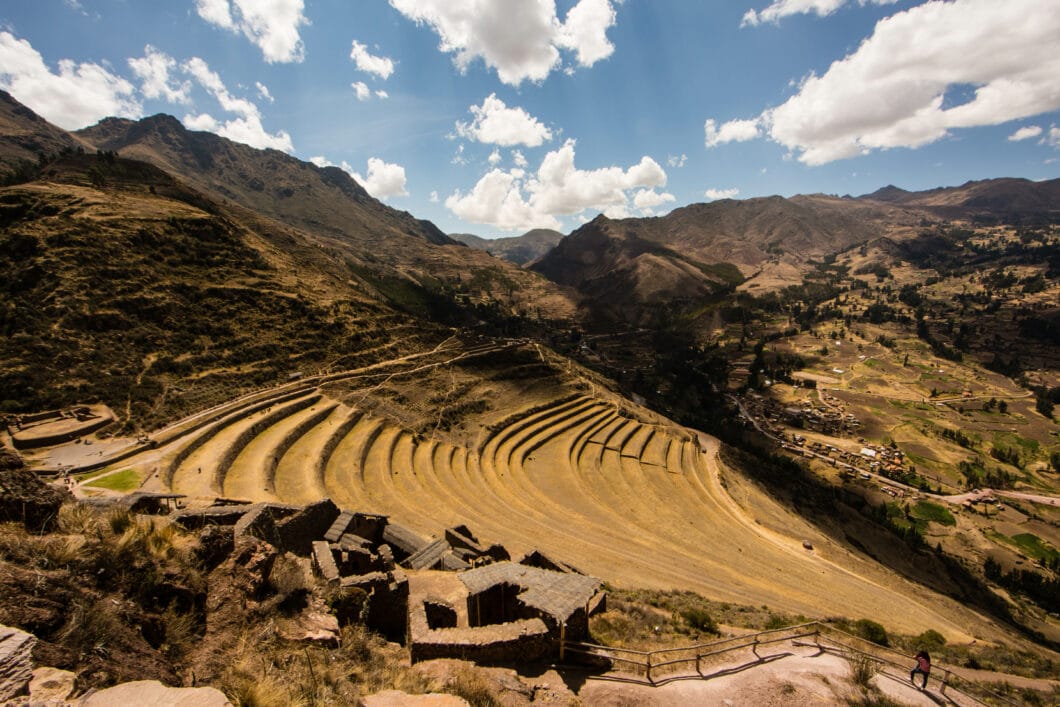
pixel 838 409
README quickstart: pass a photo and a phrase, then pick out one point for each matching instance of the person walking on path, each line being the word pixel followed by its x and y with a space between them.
pixel 923 666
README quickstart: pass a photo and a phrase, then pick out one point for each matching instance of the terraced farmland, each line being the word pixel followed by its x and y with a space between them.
pixel 608 487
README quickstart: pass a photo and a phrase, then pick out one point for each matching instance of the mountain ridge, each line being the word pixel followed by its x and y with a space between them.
pixel 521 250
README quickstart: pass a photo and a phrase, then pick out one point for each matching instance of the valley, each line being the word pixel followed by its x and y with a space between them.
pixel 833 408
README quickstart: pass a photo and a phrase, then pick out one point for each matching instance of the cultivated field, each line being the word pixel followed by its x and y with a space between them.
pixel 611 488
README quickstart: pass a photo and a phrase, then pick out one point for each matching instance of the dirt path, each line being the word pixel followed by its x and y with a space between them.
pixel 788 675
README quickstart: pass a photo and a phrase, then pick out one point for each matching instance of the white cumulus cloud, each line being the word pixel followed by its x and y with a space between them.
pixel 1025 133
pixel 381 94
pixel 384 180
pixel 648 199
pixel 517 200
pixel 732 131
pixel 201 121
pixel 677 161
pixel 247 127
pixel 263 91
pixel 270 24
pixel 381 66
pixel 785 8
pixel 153 69
pixel 520 39
pixel 76 96
pixel 361 90
pixel 715 194
pixel 496 124
pixel 906 85
pixel 585 31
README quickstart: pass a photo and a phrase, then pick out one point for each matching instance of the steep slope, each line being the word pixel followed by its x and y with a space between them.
pixel 388 250
pixel 122 285
pixel 24 137
pixel 517 249
pixel 324 200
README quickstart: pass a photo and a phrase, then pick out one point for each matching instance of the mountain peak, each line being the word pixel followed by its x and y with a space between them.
pixel 887 193
pixel 326 201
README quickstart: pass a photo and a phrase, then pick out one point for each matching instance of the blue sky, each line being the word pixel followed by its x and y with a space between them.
pixel 495 116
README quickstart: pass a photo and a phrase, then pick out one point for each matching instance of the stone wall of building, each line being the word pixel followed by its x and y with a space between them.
pixel 524 641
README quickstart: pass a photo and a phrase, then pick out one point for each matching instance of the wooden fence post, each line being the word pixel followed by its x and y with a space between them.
pixel 647 666
pixel 562 641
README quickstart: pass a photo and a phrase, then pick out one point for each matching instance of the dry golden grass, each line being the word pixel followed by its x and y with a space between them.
pixel 265 671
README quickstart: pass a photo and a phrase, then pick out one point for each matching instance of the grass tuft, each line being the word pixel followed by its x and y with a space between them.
pixel 470 685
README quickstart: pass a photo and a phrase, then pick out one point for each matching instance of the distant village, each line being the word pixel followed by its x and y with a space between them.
pixel 827 417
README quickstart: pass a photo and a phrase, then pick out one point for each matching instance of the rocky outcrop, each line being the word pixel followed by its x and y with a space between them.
pixel 24 498
pixel 16 667
pixel 51 685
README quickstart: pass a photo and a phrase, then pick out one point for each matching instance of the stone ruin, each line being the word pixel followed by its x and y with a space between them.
pixel 515 613
pixel 44 429
pixel 511 612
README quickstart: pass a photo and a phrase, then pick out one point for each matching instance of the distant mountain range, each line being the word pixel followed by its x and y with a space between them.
pixel 520 250
pixel 989 198
pixel 628 267
pixel 316 235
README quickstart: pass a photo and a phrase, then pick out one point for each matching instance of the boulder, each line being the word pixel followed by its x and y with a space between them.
pixel 51 685
pixel 16 661
pixel 154 693
pixel 314 627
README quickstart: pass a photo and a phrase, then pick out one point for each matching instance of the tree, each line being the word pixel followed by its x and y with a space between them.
pixel 1002 407
pixel 1045 407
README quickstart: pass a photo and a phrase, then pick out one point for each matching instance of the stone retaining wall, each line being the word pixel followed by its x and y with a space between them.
pixel 219 423
pixel 247 435
pixel 289 440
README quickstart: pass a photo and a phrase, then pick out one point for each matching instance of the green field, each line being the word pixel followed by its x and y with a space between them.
pixel 126 480
pixel 932 512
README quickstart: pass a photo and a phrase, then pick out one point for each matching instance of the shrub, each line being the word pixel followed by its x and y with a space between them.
pixel 931 640
pixel 871 631
pixel 697 618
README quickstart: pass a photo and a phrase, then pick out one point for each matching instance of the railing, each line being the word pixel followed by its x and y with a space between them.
pixel 652 662
pixel 694 655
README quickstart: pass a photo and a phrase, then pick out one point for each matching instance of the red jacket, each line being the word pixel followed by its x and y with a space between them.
pixel 923 663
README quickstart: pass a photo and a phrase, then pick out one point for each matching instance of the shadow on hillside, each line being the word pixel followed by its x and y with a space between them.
pixel 849 519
